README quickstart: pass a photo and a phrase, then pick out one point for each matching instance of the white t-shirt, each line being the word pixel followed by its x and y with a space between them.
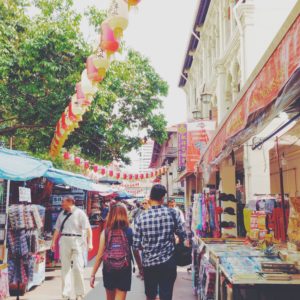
pixel 76 223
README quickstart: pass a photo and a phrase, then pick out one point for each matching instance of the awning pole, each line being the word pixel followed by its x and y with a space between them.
pixel 281 189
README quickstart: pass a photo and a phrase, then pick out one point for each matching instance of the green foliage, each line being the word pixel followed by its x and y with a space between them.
pixel 41 59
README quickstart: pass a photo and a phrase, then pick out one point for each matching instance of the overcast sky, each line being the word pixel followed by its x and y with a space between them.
pixel 160 30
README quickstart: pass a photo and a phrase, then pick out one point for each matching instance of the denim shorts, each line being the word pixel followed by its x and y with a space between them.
pixel 160 280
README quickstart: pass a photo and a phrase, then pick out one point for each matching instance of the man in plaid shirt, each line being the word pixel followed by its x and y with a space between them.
pixel 154 235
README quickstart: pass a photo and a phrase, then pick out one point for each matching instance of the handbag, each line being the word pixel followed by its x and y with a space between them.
pixel 183 254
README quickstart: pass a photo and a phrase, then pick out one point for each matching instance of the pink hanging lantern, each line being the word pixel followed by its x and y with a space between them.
pixel 125 176
pixel 118 175
pixel 147 175
pixel 95 168
pixel 136 176
pixel 111 173
pixel 77 161
pixel 92 71
pixel 142 176
pixel 103 171
pixel 82 99
pixel 108 41
pixel 130 177
pixel 86 164
pixel 66 155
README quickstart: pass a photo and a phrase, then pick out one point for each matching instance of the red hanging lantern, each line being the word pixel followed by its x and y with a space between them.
pixel 111 173
pixel 95 168
pixel 71 115
pixel 63 121
pixel 152 174
pixel 108 41
pixel 125 176
pixel 142 176
pixel 67 155
pixel 118 175
pixel 147 175
pixel 86 164
pixel 136 176
pixel 130 177
pixel 92 71
pixel 133 2
pixel 103 171
pixel 77 161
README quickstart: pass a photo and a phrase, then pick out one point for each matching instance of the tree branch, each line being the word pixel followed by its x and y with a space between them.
pixel 7 120
pixel 20 126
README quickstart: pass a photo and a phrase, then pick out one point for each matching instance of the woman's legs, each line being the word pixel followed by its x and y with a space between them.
pixel 110 295
pixel 120 295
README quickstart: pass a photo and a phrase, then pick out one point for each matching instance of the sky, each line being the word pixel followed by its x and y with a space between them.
pixel 160 30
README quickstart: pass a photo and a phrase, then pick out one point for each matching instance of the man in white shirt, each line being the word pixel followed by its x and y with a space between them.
pixel 71 223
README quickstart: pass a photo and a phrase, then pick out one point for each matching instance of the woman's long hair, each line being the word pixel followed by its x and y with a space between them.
pixel 117 217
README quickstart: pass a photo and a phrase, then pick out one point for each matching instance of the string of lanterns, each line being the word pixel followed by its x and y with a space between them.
pixel 118 175
pixel 97 65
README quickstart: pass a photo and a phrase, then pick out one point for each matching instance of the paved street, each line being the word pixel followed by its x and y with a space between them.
pixel 50 290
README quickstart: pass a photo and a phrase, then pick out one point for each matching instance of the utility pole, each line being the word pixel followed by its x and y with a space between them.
pixel 167 178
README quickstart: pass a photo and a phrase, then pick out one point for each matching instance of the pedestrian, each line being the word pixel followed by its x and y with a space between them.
pixel 115 252
pixel 172 204
pixel 154 235
pixel 71 225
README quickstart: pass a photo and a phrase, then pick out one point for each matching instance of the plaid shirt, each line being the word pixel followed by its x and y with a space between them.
pixel 154 234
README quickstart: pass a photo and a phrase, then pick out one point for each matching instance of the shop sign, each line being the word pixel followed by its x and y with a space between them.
pixel 199 134
pixel 182 145
pixel 24 194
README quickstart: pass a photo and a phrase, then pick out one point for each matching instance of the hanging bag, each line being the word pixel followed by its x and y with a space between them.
pixel 183 254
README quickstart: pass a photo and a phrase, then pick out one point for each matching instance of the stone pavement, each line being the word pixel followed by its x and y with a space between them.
pixel 50 289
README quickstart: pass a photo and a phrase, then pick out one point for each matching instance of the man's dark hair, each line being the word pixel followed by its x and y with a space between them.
pixel 158 192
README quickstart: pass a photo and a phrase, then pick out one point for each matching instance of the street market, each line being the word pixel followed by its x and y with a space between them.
pixel 119 181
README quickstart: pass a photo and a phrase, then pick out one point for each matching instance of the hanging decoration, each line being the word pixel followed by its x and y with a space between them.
pixel 97 65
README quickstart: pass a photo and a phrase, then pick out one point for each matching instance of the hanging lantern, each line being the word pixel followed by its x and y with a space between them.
pixel 86 164
pixel 118 17
pixel 71 115
pixel 66 155
pixel 147 175
pixel 103 171
pixel 92 71
pixel 142 176
pixel 77 161
pixel 118 175
pixel 101 62
pixel 64 122
pixel 82 99
pixel 108 41
pixel 77 109
pixel 132 2
pixel 88 87
pixel 125 176
pixel 130 177
pixel 156 173
pixel 136 176
pixel 95 168
pixel 111 173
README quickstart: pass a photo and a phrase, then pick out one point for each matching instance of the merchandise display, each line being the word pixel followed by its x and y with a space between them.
pixel 205 218
pixel 263 215
pixel 233 269
pixel 23 243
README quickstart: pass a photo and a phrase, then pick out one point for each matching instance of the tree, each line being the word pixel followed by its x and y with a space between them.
pixel 41 59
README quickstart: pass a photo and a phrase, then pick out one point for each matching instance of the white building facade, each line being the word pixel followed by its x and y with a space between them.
pixel 231 37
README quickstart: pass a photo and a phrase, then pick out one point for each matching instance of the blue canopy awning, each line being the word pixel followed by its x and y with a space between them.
pixel 76 180
pixel 19 166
